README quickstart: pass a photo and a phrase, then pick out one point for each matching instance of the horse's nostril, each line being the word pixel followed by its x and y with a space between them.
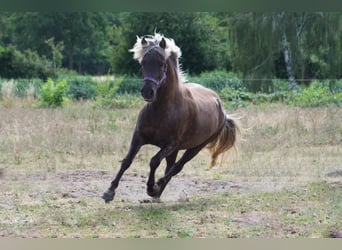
pixel 147 93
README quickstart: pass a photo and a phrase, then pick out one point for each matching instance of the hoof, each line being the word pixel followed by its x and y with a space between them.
pixel 155 192
pixel 108 196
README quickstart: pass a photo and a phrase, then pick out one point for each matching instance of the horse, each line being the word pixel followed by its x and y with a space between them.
pixel 175 116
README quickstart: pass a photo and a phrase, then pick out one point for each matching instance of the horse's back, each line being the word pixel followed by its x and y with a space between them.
pixel 202 95
pixel 210 114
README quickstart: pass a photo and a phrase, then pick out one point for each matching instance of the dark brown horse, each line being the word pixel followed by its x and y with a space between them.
pixel 176 116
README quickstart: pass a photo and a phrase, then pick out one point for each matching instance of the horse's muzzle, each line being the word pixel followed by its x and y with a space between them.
pixel 148 93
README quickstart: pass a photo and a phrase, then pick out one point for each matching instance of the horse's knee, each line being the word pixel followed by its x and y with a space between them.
pixel 125 163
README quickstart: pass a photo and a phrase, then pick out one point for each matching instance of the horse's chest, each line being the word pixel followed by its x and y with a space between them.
pixel 157 133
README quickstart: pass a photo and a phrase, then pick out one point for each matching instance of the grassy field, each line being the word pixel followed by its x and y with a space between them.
pixel 285 180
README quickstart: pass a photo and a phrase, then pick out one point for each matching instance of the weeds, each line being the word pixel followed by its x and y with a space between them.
pixel 7 93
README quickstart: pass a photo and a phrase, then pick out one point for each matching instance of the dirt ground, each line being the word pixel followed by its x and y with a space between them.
pixel 132 187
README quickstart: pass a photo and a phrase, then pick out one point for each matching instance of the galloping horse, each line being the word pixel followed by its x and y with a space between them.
pixel 176 116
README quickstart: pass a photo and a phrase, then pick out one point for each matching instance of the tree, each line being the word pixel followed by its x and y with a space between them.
pixel 192 32
pixel 56 51
pixel 5 27
pixel 26 64
pixel 305 44
pixel 82 33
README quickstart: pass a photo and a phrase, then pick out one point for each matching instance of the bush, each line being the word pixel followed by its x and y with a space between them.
pixel 317 94
pixel 53 95
pixel 217 80
pixel 107 91
pixel 279 85
pixel 130 85
pixel 335 86
pixel 28 64
pixel 81 87
pixel 236 98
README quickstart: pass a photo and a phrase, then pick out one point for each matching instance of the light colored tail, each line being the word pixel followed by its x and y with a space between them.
pixel 225 140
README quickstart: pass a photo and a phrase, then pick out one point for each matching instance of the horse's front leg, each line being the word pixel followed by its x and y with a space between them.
pixel 165 152
pixel 125 164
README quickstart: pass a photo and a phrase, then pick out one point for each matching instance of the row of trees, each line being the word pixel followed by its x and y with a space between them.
pixel 283 45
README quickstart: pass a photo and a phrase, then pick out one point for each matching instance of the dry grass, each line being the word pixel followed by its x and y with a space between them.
pixel 8 99
pixel 290 142
pixel 284 150
pixel 34 139
pixel 276 141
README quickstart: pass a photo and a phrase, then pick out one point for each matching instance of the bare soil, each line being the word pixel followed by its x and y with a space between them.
pixel 132 188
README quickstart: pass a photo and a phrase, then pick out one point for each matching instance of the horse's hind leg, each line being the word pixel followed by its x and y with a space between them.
pixel 175 169
pixel 170 161
pixel 125 164
pixel 154 164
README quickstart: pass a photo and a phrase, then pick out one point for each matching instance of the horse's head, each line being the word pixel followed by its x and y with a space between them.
pixel 152 52
pixel 154 69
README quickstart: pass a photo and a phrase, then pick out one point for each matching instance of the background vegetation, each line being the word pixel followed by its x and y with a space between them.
pixel 250 43
pixel 246 57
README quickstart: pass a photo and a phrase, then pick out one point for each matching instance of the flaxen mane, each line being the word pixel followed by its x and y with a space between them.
pixel 139 50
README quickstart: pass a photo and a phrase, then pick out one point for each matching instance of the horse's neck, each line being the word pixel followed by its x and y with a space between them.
pixel 172 85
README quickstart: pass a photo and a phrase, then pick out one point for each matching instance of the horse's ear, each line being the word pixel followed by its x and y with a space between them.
pixel 162 43
pixel 143 41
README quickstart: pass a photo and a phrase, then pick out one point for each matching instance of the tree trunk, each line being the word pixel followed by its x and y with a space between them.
pixel 288 63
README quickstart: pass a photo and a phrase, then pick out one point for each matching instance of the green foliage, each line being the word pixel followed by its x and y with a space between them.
pixel 335 86
pixel 114 94
pixel 218 80
pixel 53 94
pixel 23 86
pixel 123 92
pixel 81 87
pixel 250 43
pixel 108 88
pixel 83 35
pixel 317 94
pixel 56 50
pixel 27 64
pixel 241 98
pixel 279 85
pixel 257 44
pixel 195 33
pixel 130 85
